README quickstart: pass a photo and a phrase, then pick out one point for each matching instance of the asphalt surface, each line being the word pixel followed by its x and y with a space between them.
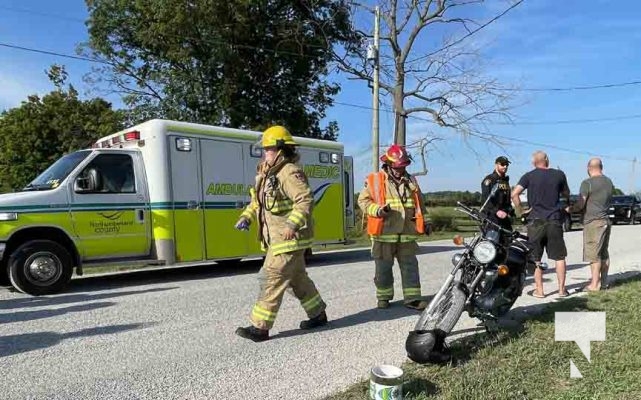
pixel 169 334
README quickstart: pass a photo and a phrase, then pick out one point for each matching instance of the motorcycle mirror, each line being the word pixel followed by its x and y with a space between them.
pixel 495 188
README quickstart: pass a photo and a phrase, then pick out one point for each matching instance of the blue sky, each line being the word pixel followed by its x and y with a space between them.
pixel 541 43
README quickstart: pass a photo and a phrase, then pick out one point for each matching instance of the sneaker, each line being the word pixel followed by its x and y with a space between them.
pixel 382 304
pixel 253 333
pixel 417 305
pixel 317 321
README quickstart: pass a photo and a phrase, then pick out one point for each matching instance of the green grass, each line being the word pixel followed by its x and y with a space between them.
pixel 527 363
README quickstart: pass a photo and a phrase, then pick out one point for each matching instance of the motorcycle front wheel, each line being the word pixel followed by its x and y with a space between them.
pixel 440 320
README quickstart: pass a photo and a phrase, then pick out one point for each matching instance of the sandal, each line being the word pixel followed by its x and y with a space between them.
pixel 564 294
pixel 535 294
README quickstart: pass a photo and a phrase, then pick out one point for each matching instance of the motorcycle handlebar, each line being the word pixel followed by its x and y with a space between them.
pixel 477 216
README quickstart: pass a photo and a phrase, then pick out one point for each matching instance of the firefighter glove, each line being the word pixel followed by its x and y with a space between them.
pixel 242 224
pixel 384 211
pixel 427 228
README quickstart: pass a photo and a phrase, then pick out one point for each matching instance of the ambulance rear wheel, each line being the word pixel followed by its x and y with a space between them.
pixel 40 267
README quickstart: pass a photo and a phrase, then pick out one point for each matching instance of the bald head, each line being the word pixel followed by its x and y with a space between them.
pixel 595 167
pixel 540 159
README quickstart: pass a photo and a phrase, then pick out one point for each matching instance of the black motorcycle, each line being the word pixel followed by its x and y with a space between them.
pixel 486 280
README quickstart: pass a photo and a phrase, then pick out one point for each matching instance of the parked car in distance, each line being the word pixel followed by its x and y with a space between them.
pixel 570 220
pixel 625 209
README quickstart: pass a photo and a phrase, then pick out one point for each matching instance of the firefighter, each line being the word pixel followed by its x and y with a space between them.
pixel 282 204
pixel 391 200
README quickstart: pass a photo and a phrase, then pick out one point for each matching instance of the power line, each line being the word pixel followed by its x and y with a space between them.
pixel 530 142
pixel 369 108
pixel 572 88
pixel 542 89
pixel 454 43
pixel 53 53
pixel 517 123
pixel 62 17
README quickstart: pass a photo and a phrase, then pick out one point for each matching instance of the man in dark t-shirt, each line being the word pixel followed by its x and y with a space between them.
pixel 544 188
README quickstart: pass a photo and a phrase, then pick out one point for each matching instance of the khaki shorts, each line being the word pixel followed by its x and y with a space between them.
pixel 596 239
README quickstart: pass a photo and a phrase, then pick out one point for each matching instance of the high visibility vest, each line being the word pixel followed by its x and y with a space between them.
pixel 377 184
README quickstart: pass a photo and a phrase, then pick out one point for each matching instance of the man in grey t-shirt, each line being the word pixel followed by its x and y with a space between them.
pixel 596 196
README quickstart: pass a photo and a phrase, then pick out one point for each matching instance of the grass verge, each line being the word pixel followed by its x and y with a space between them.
pixel 526 363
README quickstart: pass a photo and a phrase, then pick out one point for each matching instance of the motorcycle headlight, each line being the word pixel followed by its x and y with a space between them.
pixel 484 252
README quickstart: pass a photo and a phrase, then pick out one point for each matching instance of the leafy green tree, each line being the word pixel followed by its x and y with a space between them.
pixel 41 130
pixel 235 63
pixel 617 192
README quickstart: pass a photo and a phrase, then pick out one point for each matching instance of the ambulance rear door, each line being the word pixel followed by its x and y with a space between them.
pixel 225 192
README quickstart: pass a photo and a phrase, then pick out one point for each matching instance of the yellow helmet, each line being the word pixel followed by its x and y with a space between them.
pixel 277 136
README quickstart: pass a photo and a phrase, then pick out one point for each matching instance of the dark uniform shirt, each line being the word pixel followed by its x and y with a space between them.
pixel 501 200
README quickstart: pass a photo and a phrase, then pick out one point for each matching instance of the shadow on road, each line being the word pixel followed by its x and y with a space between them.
pixel 53 300
pixel 16 344
pixel 23 316
pixel 396 311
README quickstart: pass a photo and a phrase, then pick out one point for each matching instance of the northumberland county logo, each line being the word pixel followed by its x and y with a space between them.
pixel 111 224
pixel 111 215
pixel 582 328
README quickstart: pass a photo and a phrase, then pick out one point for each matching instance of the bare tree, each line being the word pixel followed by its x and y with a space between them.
pixel 444 81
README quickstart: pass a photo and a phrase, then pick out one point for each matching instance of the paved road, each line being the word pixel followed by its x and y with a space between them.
pixel 169 334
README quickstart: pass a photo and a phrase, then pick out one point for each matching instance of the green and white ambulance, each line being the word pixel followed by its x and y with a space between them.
pixel 160 193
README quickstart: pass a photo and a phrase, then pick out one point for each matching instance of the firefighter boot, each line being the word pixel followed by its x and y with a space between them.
pixel 382 304
pixel 317 321
pixel 253 333
pixel 417 305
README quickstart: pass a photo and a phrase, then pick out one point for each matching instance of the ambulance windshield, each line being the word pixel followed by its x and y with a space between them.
pixel 57 172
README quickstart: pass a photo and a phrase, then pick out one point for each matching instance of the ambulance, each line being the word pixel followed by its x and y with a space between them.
pixel 160 193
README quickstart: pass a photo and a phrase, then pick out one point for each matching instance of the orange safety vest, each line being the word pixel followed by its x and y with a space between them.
pixel 377 184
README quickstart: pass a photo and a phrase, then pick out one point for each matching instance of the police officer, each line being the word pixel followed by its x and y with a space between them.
pixel 282 203
pixel 499 208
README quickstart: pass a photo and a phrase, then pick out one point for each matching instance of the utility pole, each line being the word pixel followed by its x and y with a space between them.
pixel 374 54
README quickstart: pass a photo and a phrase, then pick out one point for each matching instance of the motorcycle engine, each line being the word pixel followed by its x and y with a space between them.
pixel 493 303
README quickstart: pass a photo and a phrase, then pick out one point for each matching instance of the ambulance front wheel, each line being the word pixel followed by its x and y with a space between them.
pixel 40 267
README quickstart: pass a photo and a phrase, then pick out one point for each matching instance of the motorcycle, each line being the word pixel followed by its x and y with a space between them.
pixel 486 280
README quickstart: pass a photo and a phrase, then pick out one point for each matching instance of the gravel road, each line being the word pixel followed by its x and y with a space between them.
pixel 169 333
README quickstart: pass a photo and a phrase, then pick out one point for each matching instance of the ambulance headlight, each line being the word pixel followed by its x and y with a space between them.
pixel 484 252
pixel 336 158
pixel 183 144
pixel 8 216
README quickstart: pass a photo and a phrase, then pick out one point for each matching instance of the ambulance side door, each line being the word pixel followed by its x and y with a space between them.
pixel 110 207
pixel 186 194
pixel 225 196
